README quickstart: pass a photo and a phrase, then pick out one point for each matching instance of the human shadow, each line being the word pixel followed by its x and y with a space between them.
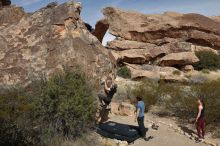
pixel 187 130
pixel 119 131
pixel 104 114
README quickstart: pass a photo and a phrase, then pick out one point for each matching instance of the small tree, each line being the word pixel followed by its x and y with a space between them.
pixel 148 91
pixel 124 72
pixel 207 60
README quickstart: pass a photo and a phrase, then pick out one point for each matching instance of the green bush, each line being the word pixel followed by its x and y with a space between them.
pixel 60 108
pixel 124 72
pixel 210 91
pixel 205 71
pixel 67 105
pixel 177 72
pixel 208 60
pixel 16 117
pixel 147 90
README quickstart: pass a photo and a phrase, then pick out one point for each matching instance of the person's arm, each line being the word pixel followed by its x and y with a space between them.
pixel 137 111
pixel 199 113
pixel 106 87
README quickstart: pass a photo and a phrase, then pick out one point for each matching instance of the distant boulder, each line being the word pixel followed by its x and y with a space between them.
pixel 179 59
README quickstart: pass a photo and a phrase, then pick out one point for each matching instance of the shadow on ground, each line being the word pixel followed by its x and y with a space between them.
pixel 119 131
pixel 187 130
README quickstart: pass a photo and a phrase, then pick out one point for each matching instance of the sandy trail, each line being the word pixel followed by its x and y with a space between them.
pixel 164 136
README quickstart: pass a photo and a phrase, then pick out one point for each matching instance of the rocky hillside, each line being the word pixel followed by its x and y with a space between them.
pixel 158 46
pixel 37 45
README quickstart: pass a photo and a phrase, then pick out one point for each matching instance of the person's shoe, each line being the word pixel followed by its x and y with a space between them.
pixel 154 126
pixel 198 140
pixel 148 138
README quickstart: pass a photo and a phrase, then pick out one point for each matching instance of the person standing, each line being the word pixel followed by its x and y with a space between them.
pixel 200 120
pixel 139 117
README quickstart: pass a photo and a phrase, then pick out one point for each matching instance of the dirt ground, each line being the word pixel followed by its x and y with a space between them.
pixel 164 136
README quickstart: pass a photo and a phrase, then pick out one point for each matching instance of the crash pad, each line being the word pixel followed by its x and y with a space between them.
pixel 119 131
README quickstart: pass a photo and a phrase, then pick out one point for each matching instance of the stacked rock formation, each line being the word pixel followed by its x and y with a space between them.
pixel 162 42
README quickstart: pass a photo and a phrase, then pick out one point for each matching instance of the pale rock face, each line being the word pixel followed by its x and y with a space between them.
pixel 41 44
pixel 183 58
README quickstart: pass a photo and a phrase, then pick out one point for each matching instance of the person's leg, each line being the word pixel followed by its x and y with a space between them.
pixel 141 126
pixel 198 127
pixel 102 98
pixel 203 127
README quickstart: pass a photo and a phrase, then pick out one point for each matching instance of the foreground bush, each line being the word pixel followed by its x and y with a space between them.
pixel 16 118
pixel 208 60
pixel 66 106
pixel 124 72
pixel 60 108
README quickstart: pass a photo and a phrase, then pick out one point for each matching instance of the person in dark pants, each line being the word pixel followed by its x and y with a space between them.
pixel 110 88
pixel 139 117
pixel 200 120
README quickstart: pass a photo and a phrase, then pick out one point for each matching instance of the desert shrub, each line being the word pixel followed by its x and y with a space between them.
pixel 205 71
pixel 181 103
pixel 177 72
pixel 124 72
pixel 198 79
pixel 67 106
pixel 59 108
pixel 148 91
pixel 208 60
pixel 16 117
pixel 210 92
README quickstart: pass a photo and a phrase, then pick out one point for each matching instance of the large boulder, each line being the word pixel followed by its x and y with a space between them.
pixel 178 59
pixel 194 28
pixel 47 41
